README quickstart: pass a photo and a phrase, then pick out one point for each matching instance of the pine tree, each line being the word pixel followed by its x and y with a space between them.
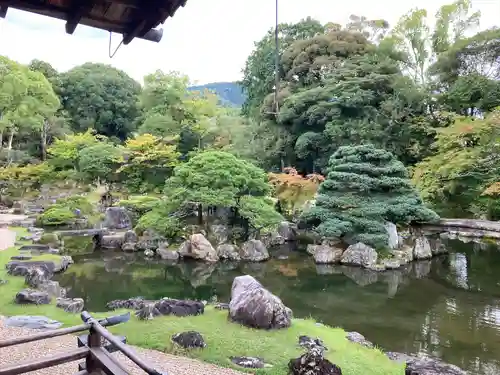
pixel 364 188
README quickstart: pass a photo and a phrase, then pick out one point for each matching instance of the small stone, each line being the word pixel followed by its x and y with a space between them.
pixel 358 338
pixel 189 340
pixel 71 305
pixel 309 343
pixel 248 362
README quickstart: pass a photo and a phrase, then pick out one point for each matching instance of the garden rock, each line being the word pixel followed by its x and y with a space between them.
pixel 37 276
pixel 313 363
pixel 310 343
pixel 189 340
pixel 422 248
pixel 431 366
pixel 228 251
pixel 167 254
pixel 198 247
pixel 21 257
pixel 112 241
pixel 287 230
pixel 219 233
pixel 70 305
pixel 324 254
pixel 130 247
pixel 248 362
pixel 130 236
pixel 254 306
pixel 149 253
pixel 32 322
pixel 117 218
pixel 392 232
pixel 165 306
pixel 30 296
pixel 359 254
pixel 358 338
pixel 53 289
pixel 254 251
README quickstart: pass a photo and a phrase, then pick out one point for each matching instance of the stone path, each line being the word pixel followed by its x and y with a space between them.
pixel 7 238
pixel 8 219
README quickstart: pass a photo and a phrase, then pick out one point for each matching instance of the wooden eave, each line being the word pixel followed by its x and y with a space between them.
pixel 131 18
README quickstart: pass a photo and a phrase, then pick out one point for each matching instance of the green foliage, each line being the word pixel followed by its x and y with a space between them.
pixel 464 164
pixel 140 204
pixel 99 161
pixel 63 212
pixel 65 152
pixel 258 75
pixel 101 97
pixel 149 160
pixel 216 178
pixel 161 222
pixel 364 188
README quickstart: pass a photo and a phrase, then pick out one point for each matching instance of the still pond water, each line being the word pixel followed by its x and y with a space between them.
pixel 448 307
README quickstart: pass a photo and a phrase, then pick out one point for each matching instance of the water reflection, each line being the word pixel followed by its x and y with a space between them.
pixel 448 307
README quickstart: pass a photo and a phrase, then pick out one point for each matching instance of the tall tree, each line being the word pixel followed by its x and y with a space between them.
pixel 101 97
pixel 258 74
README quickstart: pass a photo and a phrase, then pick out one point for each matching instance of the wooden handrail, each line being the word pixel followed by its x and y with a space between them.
pixel 44 335
pixel 98 360
pixel 51 361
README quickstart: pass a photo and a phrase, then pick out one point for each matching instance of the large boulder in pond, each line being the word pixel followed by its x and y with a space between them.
pixel 422 248
pixel 254 251
pixel 70 305
pixel 361 255
pixel 198 247
pixel 254 306
pixel 117 218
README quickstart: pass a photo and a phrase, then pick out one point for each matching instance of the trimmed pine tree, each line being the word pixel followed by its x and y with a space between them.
pixel 364 188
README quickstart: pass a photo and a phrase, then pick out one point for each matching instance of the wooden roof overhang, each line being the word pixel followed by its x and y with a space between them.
pixel 131 18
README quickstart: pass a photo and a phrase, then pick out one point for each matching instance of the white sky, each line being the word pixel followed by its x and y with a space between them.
pixel 209 40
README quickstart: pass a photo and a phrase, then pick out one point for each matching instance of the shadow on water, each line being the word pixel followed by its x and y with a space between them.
pixel 448 307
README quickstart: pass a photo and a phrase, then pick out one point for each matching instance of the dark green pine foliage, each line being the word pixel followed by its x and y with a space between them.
pixel 364 188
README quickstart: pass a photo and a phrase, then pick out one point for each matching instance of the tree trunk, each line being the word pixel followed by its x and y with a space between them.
pixel 11 139
pixel 1 139
pixel 200 214
pixel 43 140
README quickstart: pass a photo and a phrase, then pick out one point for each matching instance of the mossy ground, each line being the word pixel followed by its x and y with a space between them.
pixel 224 339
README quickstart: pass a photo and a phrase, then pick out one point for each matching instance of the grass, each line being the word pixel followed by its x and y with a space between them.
pixel 223 338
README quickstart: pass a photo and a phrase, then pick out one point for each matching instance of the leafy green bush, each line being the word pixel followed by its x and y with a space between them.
pixel 161 223
pixel 63 212
pixel 140 204
pixel 56 216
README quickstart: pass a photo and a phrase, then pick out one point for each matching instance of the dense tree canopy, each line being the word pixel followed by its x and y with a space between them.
pixel 101 97
pixel 423 92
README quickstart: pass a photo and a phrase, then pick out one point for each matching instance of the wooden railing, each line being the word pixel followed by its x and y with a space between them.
pixel 98 360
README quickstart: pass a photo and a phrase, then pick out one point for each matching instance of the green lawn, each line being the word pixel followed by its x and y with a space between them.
pixel 224 339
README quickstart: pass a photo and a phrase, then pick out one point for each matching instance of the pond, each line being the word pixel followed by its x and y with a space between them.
pixel 448 307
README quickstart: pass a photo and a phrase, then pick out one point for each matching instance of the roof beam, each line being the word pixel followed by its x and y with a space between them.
pixel 146 20
pixel 3 10
pixel 80 9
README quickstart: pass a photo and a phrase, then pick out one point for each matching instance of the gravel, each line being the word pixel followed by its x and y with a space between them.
pixel 173 365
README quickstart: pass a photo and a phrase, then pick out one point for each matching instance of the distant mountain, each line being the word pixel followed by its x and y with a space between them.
pixel 230 93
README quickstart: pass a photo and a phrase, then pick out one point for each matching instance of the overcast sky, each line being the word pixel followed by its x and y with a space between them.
pixel 209 40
